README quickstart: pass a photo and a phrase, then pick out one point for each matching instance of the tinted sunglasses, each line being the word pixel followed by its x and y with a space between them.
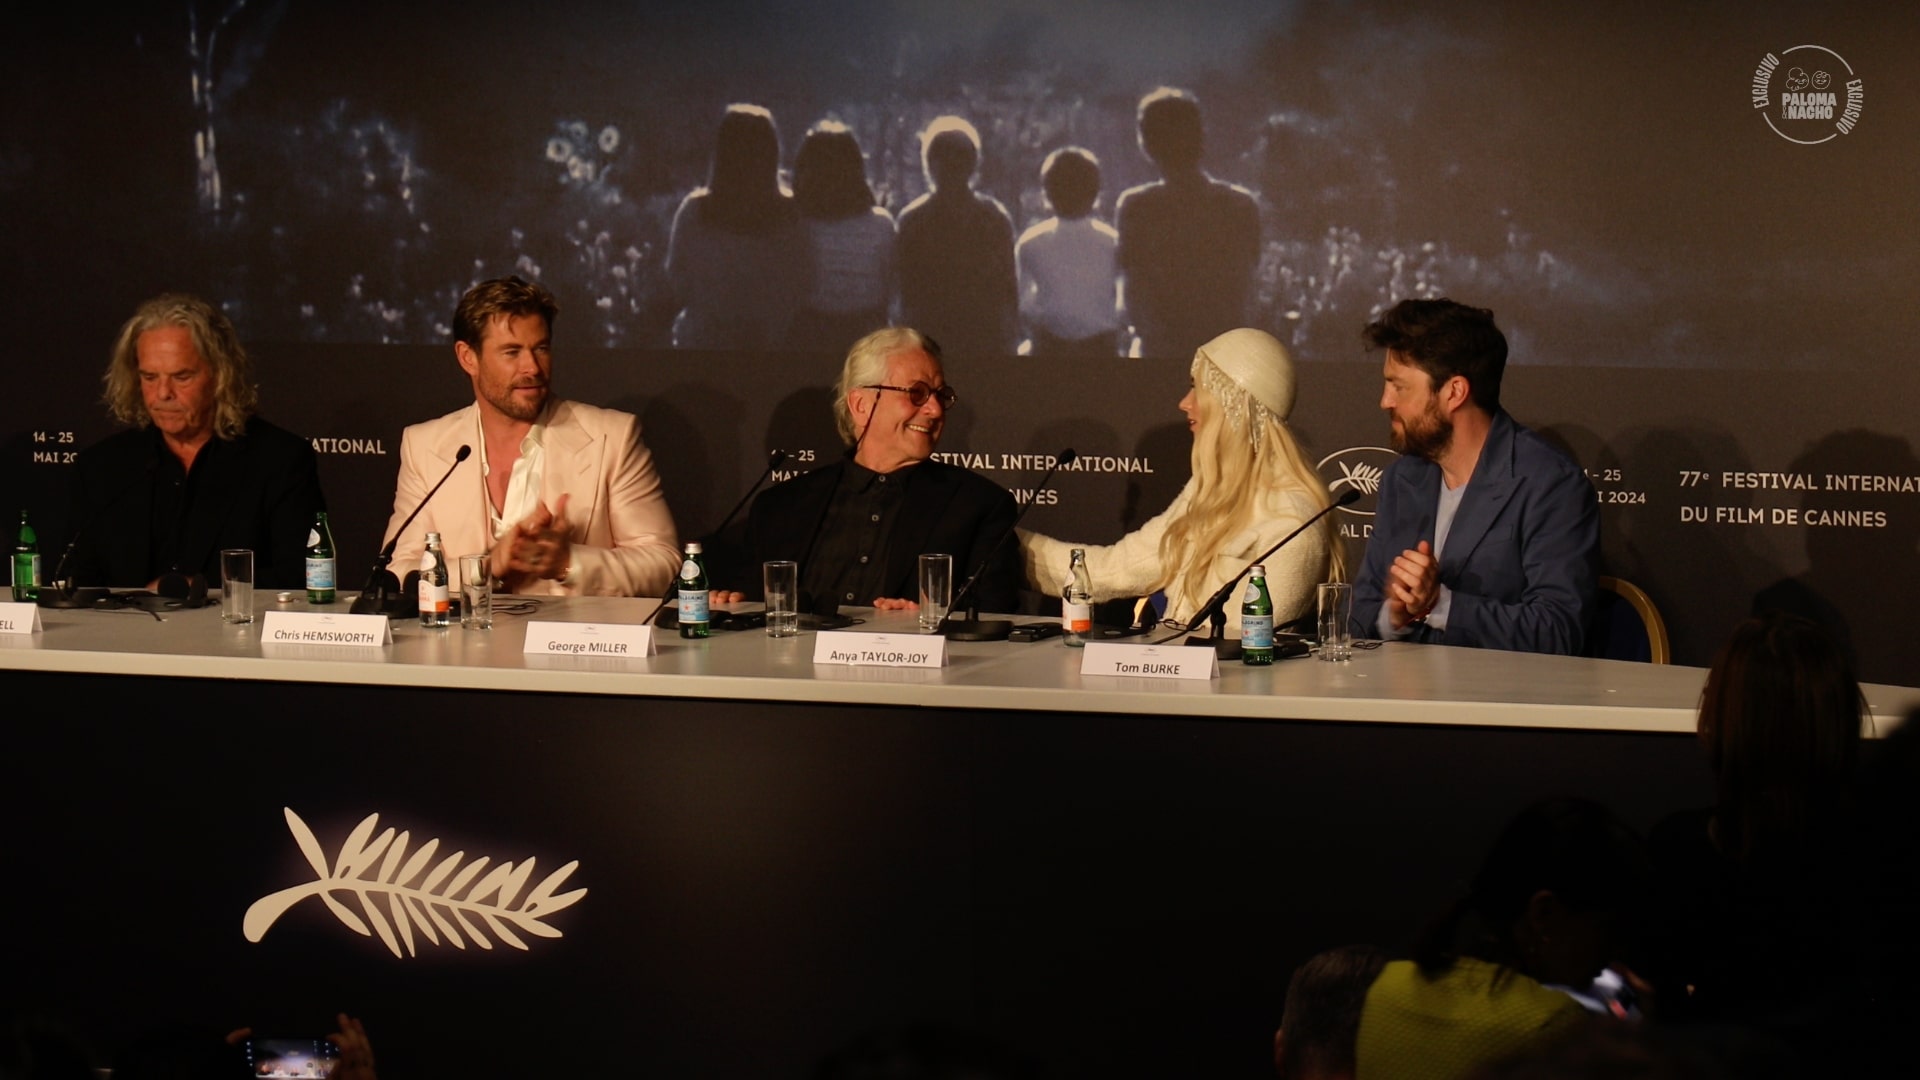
pixel 919 392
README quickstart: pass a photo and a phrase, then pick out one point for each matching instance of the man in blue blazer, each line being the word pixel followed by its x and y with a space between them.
pixel 1485 535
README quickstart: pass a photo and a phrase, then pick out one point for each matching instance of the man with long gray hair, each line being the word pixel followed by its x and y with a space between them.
pixel 198 471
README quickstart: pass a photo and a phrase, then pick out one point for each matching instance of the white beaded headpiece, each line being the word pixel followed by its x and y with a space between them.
pixel 1250 374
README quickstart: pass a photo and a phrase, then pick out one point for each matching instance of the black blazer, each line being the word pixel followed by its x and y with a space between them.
pixel 260 492
pixel 946 509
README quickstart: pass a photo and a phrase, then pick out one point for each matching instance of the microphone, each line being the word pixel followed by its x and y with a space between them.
pixel 63 593
pixel 671 620
pixel 974 628
pixel 382 594
pixel 1214 611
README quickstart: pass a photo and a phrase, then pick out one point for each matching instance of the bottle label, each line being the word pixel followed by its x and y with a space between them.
pixel 1252 595
pixel 427 562
pixel 26 570
pixel 1077 617
pixel 1256 631
pixel 435 598
pixel 313 537
pixel 689 570
pixel 693 605
pixel 320 573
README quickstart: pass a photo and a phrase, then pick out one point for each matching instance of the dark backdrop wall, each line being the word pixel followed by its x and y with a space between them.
pixel 1696 225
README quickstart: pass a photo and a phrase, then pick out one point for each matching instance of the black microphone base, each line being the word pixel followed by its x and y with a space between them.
pixel 71 599
pixel 393 607
pixel 978 629
pixel 1224 648
pixel 384 596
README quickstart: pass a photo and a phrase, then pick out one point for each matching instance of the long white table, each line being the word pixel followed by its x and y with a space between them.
pixel 1115 876
pixel 1396 683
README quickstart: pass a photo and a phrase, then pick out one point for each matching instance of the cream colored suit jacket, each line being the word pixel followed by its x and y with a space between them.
pixel 622 533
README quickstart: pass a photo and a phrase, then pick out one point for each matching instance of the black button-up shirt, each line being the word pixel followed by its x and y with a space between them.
pixel 849 564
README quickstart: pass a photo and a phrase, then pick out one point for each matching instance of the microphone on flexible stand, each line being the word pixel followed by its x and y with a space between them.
pixel 383 594
pixel 64 594
pixel 824 608
pixel 974 628
pixel 670 620
pixel 61 594
pixel 1214 611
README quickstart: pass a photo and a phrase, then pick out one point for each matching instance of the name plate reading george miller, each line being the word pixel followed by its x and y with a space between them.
pixel 19 618
pixel 880 650
pixel 325 628
pixel 616 640
pixel 1149 661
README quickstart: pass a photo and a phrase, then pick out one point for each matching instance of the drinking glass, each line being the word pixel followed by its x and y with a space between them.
pixel 782 580
pixel 1336 622
pixel 936 591
pixel 236 585
pixel 476 593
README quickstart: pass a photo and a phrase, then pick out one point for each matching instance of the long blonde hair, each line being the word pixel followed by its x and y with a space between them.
pixel 1233 463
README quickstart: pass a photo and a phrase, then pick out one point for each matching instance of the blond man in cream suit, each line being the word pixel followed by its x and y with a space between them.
pixel 562 496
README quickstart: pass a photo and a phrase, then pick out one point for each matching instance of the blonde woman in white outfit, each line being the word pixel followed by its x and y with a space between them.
pixel 1251 485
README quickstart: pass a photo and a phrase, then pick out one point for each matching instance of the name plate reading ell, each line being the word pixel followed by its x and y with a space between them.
pixel 19 619
pixel 1149 661
pixel 880 650
pixel 616 640
pixel 326 628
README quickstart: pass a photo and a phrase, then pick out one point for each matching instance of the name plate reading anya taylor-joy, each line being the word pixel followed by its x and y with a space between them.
pixel 19 619
pixel 617 640
pixel 325 628
pixel 1149 661
pixel 880 650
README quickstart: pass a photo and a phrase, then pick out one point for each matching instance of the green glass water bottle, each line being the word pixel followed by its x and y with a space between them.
pixel 26 562
pixel 695 614
pixel 1256 619
pixel 322 567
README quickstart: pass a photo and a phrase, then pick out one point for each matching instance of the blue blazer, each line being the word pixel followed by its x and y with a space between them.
pixel 1521 557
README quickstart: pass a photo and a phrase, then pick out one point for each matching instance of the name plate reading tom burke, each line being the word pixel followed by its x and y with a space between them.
pixel 1149 661
pixel 19 619
pixel 616 640
pixel 880 650
pixel 326 628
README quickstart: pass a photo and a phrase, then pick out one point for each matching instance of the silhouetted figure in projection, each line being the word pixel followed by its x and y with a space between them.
pixel 956 251
pixel 1069 273
pixel 850 242
pixel 737 257
pixel 1188 243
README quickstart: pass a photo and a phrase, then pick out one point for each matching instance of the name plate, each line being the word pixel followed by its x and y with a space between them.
pixel 19 618
pixel 1149 661
pixel 325 628
pixel 880 650
pixel 618 640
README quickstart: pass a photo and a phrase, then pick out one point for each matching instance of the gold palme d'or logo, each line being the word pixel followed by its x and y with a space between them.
pixel 399 892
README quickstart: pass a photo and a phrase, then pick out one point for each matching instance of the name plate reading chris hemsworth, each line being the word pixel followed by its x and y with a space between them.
pixel 880 650
pixel 326 628
pixel 616 640
pixel 1149 661
pixel 19 619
